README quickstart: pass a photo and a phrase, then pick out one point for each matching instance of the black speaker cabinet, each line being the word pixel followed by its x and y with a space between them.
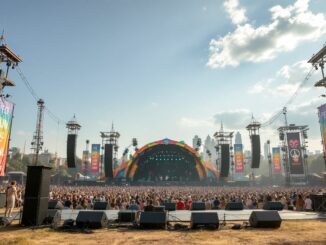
pixel 71 150
pixel 152 220
pixel 234 206
pixel 53 218
pixel 225 160
pixel 108 160
pixel 101 206
pixel 273 206
pixel 255 151
pixel 198 206
pixel 91 219
pixel 265 219
pixel 204 220
pixel 127 216
pixel 54 204
pixel 170 206
pixel 36 195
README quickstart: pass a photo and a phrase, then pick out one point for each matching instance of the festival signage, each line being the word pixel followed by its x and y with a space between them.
pixel 95 158
pixel 276 151
pixel 6 111
pixel 295 153
pixel 322 122
pixel 238 158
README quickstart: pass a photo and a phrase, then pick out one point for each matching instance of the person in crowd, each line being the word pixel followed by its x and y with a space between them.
pixel 216 203
pixel 134 205
pixel 308 203
pixel 180 205
pixel 149 207
pixel 299 205
pixel 11 197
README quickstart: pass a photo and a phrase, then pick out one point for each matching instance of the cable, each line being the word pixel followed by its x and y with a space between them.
pixel 278 113
pixel 36 97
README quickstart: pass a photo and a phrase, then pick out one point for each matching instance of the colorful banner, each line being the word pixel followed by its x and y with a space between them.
pixel 322 122
pixel 276 151
pixel 295 153
pixel 84 160
pixel 95 158
pixel 6 111
pixel 238 158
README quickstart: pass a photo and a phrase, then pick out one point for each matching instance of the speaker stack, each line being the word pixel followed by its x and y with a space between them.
pixel 71 150
pixel 255 151
pixel 225 160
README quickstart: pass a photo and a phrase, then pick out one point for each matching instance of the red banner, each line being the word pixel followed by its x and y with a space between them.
pixel 95 158
pixel 238 158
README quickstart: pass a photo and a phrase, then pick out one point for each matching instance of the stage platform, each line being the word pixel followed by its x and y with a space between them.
pixel 184 215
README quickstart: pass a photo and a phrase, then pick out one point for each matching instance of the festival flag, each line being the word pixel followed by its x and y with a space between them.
pixel 84 160
pixel 322 122
pixel 295 153
pixel 95 158
pixel 6 111
pixel 238 158
pixel 276 151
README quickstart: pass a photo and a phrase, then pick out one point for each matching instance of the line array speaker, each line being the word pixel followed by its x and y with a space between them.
pixel 71 150
pixel 225 160
pixel 255 151
pixel 108 161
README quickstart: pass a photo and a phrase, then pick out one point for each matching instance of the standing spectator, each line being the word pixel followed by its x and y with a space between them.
pixel 308 203
pixel 299 203
pixel 11 196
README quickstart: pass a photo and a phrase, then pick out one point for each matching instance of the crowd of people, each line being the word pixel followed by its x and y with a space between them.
pixel 142 197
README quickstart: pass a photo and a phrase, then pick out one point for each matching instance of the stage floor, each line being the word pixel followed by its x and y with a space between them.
pixel 184 215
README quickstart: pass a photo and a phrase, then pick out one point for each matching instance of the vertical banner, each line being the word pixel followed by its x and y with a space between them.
pixel 6 111
pixel 84 160
pixel 276 151
pixel 238 158
pixel 295 153
pixel 95 158
pixel 322 122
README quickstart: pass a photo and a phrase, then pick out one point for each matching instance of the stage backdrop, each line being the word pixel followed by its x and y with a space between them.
pixel 95 158
pixel 238 158
pixel 322 122
pixel 295 153
pixel 6 111
pixel 277 159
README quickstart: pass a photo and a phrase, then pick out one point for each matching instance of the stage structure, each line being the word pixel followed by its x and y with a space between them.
pixel 269 158
pixel 318 61
pixel 73 127
pixel 11 60
pixel 166 161
pixel 224 148
pixel 110 148
pixel 294 149
pixel 37 143
pixel 253 129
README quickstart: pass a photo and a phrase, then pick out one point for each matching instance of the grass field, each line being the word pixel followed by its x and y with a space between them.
pixel 291 232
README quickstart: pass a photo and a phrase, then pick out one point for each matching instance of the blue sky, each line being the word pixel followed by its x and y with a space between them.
pixel 162 68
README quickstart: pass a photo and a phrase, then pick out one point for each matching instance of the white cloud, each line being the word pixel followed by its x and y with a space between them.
pixel 286 81
pixel 237 14
pixel 194 123
pixel 289 26
pixel 235 119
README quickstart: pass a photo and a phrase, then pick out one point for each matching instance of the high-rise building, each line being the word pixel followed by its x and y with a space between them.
pixel 194 141
pixel 238 139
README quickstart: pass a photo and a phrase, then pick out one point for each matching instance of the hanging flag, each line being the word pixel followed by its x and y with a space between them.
pixel 322 122
pixel 84 160
pixel 277 159
pixel 238 158
pixel 295 153
pixel 95 158
pixel 6 111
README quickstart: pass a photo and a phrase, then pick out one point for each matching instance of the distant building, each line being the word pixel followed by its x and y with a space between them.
pixel 238 138
pixel 194 141
pixel 266 150
pixel 13 151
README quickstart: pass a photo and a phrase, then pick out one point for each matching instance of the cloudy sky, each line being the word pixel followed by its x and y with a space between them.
pixel 162 69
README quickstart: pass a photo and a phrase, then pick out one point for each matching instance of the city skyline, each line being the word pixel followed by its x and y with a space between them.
pixel 156 74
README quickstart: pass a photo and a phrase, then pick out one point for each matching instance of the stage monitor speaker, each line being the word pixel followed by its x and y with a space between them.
pixel 152 220
pixel 198 206
pixel 54 204
pixel 204 220
pixel 234 206
pixel 159 209
pixel 108 161
pixel 255 151
pixel 225 160
pixel 101 206
pixel 265 219
pixel 170 206
pixel 71 150
pixel 36 195
pixel 318 202
pixel 91 219
pixel 2 200
pixel 273 206
pixel 53 218
pixel 127 216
